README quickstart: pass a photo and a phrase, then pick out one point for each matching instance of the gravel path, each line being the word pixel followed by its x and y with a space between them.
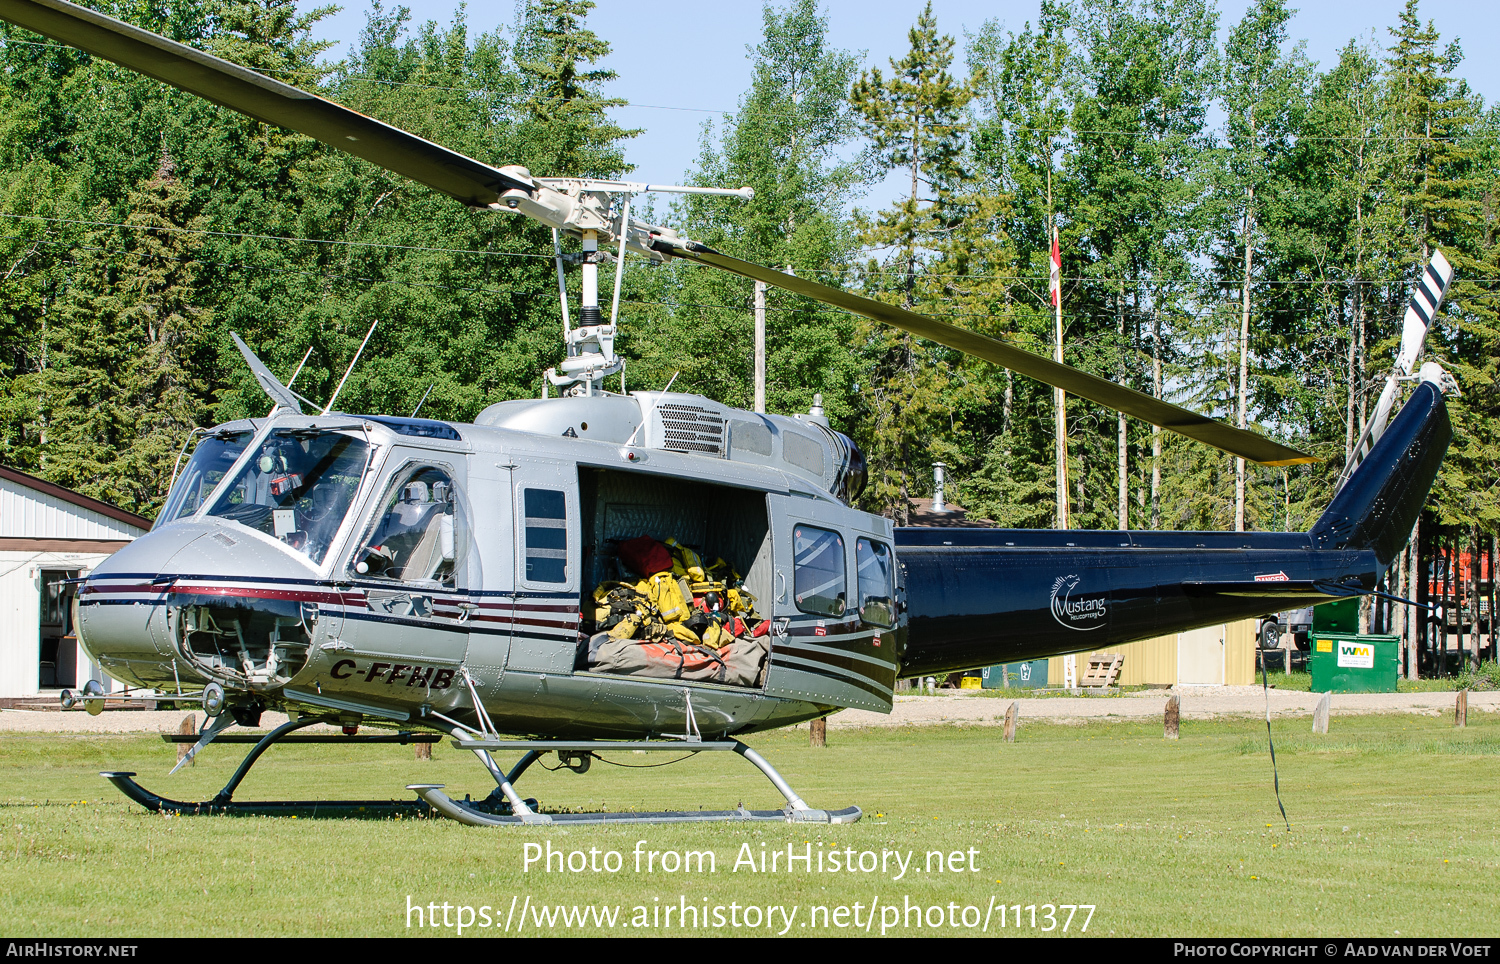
pixel 966 707
pixel 1198 702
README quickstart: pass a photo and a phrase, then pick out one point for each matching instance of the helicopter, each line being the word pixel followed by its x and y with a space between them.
pixel 437 577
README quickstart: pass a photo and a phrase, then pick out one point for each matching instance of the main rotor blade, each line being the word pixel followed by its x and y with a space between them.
pixel 1235 441
pixel 264 99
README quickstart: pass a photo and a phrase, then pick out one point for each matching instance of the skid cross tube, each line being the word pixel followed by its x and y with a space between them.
pixel 795 811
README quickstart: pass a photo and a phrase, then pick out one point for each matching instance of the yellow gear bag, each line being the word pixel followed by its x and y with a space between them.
pixel 685 562
pixel 665 595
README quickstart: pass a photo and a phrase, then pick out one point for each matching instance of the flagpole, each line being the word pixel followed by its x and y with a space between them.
pixel 1059 399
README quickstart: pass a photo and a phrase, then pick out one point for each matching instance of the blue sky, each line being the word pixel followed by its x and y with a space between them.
pixel 683 64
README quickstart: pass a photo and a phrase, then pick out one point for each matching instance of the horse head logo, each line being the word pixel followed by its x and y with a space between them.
pixel 1083 613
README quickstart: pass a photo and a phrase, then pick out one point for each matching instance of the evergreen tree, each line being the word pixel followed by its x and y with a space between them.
pixel 1264 100
pixel 565 114
pixel 784 142
pixel 1020 116
pixel 130 354
pixel 915 122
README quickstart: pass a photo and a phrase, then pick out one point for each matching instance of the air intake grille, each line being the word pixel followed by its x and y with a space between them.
pixel 690 428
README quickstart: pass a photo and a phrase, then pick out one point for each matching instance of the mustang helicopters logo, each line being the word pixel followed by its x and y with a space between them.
pixel 1084 613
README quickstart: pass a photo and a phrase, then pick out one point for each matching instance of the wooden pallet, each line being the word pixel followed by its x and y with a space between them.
pixel 1102 671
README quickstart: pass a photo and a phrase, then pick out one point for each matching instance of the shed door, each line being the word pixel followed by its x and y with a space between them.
pixel 1200 656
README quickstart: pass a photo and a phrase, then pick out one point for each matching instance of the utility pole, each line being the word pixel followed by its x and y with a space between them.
pixel 760 347
pixel 1241 421
pixel 1060 399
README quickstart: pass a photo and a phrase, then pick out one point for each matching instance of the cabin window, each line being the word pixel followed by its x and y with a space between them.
pixel 877 585
pixel 818 570
pixel 546 535
pixel 421 531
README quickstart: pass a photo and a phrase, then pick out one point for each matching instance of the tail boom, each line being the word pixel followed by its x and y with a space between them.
pixel 978 597
pixel 976 605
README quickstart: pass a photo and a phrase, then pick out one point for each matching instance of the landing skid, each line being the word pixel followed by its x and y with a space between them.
pixel 504 806
pixel 521 812
pixel 224 802
pixel 122 779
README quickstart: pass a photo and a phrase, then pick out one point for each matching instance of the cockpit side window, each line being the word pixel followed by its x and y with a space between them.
pixel 877 584
pixel 421 531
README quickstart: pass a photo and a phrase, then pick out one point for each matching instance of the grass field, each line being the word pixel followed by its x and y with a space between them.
pixel 1394 830
pixel 1479 680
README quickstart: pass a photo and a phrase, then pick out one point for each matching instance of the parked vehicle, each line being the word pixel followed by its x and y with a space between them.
pixel 1459 592
pixel 1298 622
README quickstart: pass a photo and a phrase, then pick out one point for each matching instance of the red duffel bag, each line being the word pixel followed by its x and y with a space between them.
pixel 645 556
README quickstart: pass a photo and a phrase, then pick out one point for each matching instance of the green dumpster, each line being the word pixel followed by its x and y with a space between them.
pixel 1351 663
pixel 1029 675
pixel 1341 616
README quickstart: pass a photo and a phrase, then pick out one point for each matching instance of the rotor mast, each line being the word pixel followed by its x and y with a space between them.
pixel 591 210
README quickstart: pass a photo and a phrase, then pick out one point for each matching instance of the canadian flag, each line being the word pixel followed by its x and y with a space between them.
pixel 1054 285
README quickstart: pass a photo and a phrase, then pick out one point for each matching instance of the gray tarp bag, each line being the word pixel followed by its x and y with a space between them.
pixel 745 661
pixel 663 659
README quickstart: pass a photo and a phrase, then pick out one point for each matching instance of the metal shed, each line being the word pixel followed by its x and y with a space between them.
pixel 49 535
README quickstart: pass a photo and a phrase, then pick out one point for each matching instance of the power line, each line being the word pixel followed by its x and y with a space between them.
pixel 637 266
pixel 172 229
pixel 264 269
pixel 334 72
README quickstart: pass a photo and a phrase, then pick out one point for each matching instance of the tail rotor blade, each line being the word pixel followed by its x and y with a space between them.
pixel 1431 288
pixel 1426 299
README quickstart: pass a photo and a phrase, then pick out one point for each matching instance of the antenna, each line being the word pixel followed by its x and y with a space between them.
pixel 652 410
pixel 305 356
pixel 430 386
pixel 329 407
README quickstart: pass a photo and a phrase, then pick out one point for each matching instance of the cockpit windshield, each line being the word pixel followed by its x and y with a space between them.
pixel 211 461
pixel 298 488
